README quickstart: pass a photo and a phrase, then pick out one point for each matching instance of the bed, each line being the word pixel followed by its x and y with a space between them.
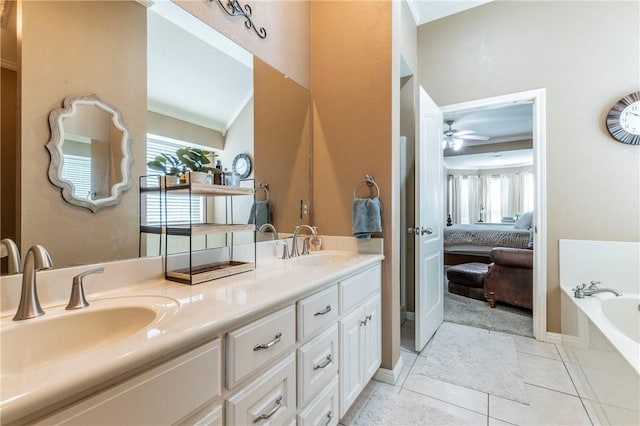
pixel 480 238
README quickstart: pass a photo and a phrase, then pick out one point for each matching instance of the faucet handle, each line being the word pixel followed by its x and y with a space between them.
pixel 579 287
pixel 77 299
pixel 594 285
pixel 285 249
pixel 305 246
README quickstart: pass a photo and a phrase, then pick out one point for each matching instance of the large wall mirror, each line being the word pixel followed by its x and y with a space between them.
pixel 101 51
pixel 90 152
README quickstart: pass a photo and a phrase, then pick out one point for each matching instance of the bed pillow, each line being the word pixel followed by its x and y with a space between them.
pixel 524 221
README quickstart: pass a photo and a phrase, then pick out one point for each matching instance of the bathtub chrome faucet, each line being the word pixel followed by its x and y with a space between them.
pixel 580 292
pixel 37 258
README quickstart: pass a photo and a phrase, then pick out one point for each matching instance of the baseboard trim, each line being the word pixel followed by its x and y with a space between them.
pixel 389 376
pixel 411 316
pixel 558 338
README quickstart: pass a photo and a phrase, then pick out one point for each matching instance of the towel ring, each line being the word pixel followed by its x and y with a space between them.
pixel 370 181
pixel 265 188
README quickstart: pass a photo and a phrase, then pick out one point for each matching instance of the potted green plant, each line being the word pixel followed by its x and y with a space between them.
pixel 169 164
pixel 197 161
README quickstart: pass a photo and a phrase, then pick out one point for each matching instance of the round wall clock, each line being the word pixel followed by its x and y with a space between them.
pixel 623 119
pixel 242 165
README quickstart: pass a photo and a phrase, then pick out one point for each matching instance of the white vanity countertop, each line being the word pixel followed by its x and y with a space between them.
pixel 201 312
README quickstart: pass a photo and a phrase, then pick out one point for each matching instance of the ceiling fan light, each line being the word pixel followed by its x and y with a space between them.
pixel 457 144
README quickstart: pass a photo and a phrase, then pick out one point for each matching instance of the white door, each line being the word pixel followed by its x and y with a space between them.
pixel 429 214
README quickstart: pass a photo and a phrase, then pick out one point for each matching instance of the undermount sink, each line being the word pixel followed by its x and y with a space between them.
pixel 323 258
pixel 63 334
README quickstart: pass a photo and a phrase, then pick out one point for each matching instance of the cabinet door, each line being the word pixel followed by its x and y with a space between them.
pixel 351 356
pixel 372 330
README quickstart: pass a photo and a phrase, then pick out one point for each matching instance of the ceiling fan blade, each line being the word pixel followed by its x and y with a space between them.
pixel 474 137
pixel 463 132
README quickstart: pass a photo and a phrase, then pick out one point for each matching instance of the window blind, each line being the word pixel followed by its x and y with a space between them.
pixel 179 209
pixel 77 170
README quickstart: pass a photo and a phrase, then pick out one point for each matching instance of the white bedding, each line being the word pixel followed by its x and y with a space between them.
pixel 484 237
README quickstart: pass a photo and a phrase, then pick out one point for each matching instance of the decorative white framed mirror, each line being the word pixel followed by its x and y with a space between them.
pixel 90 152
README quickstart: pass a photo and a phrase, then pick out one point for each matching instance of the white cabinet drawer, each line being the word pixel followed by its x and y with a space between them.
pixel 317 364
pixel 355 289
pixel 162 395
pixel 323 410
pixel 255 344
pixel 317 311
pixel 269 400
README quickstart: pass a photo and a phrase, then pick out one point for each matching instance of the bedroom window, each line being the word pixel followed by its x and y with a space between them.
pixel 489 197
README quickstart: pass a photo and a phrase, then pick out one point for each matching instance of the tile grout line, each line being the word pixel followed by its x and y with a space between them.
pixel 446 402
pixel 564 364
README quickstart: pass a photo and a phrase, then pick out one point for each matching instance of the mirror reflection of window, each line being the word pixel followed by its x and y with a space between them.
pixel 90 133
pixel 77 170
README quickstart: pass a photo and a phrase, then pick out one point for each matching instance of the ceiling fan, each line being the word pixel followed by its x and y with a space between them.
pixel 453 139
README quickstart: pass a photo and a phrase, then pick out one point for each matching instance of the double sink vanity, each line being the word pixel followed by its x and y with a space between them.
pixel 293 341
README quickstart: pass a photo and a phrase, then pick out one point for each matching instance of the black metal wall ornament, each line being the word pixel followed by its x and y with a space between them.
pixel 233 8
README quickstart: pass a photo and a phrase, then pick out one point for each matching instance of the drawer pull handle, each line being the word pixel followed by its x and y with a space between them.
pixel 324 311
pixel 364 322
pixel 329 416
pixel 369 317
pixel 270 413
pixel 268 345
pixel 327 362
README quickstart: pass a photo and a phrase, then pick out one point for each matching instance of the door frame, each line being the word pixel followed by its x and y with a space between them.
pixel 538 98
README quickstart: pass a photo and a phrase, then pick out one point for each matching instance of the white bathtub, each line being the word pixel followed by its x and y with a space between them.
pixel 601 333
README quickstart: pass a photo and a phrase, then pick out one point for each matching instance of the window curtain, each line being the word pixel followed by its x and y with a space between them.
pixel 484 199
pixel 455 192
pixel 516 193
pixel 474 195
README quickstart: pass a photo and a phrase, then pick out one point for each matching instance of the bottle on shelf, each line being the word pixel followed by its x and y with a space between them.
pixel 217 178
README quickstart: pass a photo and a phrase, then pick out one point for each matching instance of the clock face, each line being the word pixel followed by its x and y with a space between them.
pixel 623 119
pixel 630 118
pixel 242 165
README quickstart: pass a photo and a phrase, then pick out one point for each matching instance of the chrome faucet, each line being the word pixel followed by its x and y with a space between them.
pixel 294 245
pixel 270 226
pixel 77 299
pixel 37 258
pixel 10 249
pixel 580 292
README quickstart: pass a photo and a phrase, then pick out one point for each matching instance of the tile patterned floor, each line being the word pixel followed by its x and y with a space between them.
pixel 420 400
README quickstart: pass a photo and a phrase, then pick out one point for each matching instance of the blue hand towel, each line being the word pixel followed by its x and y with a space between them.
pixel 260 213
pixel 366 219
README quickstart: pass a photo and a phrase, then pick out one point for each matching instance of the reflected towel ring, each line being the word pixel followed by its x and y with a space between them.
pixel 265 188
pixel 370 181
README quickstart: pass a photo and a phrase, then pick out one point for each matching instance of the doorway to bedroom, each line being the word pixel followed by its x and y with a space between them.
pixel 489 196
pixel 493 152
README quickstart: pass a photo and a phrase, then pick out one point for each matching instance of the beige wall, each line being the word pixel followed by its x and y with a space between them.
pixel 56 63
pixel 8 156
pixel 283 144
pixel 351 45
pixel 587 56
pixel 286 46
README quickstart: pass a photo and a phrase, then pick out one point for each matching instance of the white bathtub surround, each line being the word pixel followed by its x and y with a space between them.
pixel 600 332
